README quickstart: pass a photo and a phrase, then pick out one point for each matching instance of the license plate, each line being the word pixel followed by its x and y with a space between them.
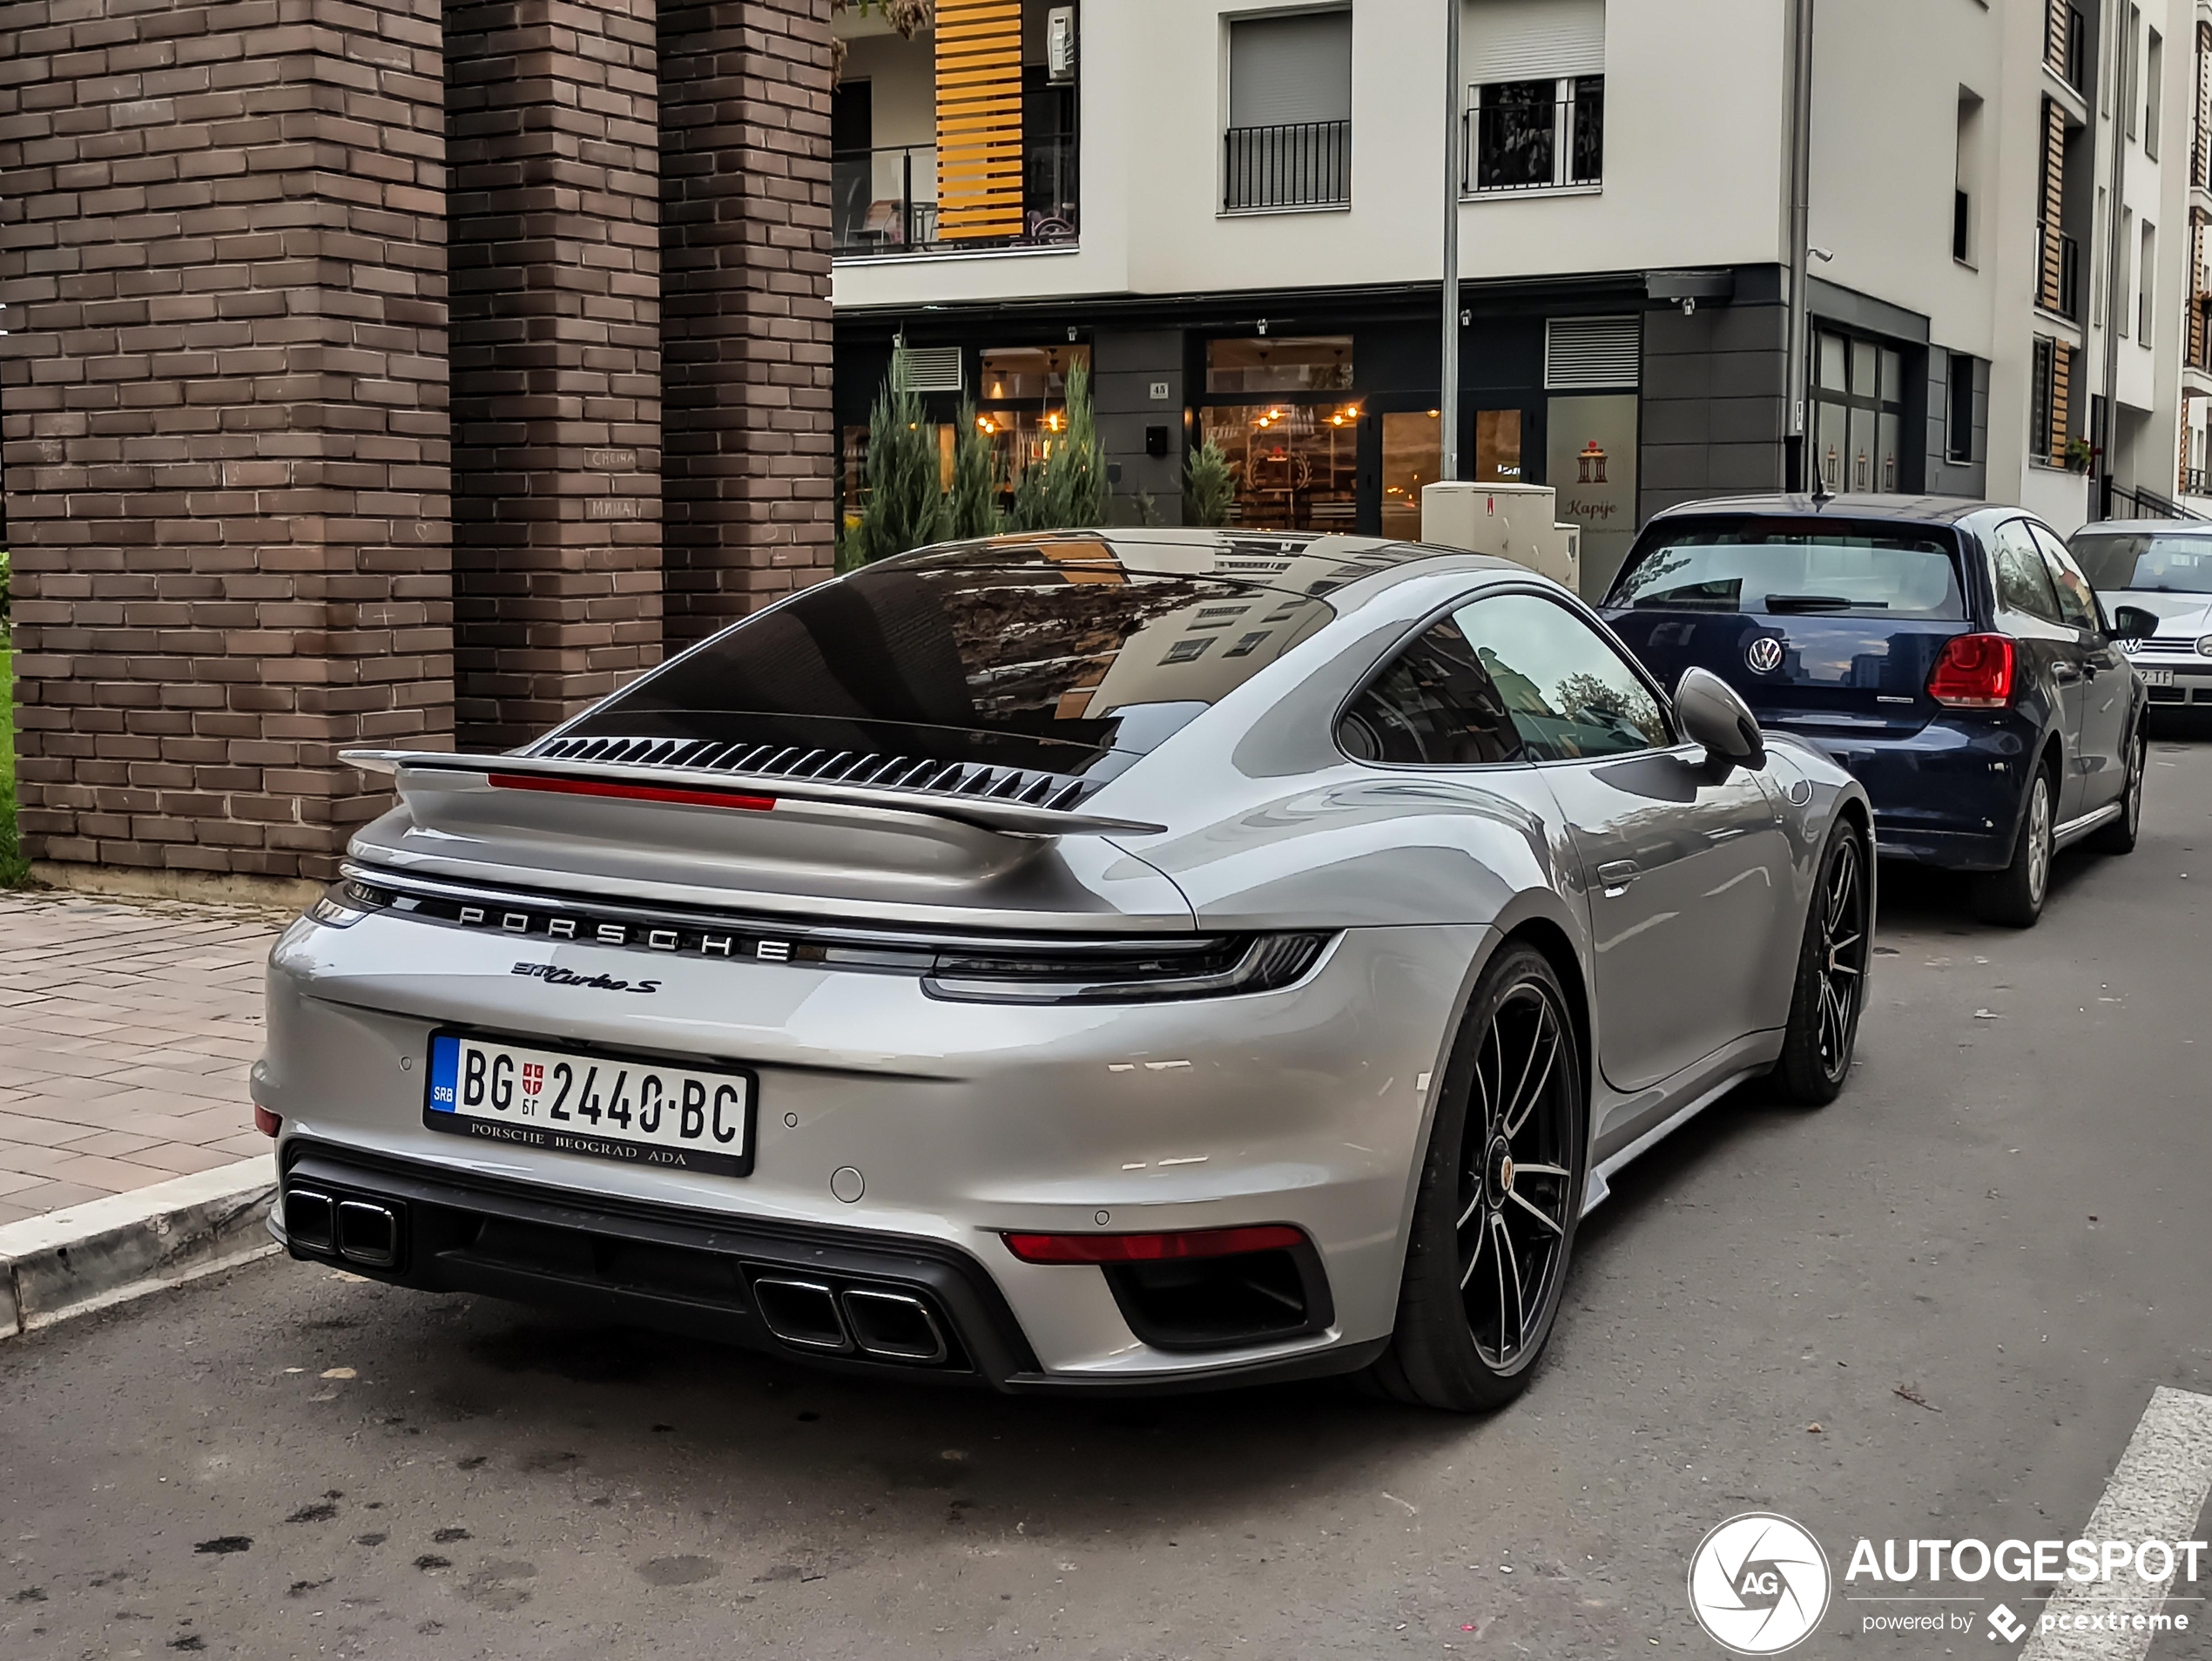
pixel 2158 677
pixel 605 1107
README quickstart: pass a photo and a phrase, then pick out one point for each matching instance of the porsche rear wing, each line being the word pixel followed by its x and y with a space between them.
pixel 688 786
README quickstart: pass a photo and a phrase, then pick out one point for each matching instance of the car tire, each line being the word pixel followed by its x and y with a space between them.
pixel 1500 1193
pixel 2119 837
pixel 2013 897
pixel 1830 990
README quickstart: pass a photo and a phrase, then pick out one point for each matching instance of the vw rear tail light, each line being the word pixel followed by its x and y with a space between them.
pixel 1975 671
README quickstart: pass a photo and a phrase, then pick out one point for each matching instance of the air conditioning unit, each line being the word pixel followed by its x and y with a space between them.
pixel 1060 44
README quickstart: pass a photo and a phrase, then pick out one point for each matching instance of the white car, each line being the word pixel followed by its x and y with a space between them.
pixel 2163 566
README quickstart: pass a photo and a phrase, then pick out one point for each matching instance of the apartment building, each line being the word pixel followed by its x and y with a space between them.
pixel 1233 211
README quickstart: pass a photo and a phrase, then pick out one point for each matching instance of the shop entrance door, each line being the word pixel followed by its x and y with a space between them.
pixel 1400 451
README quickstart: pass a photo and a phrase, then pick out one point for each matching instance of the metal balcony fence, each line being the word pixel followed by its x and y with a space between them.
pixel 1301 163
pixel 884 201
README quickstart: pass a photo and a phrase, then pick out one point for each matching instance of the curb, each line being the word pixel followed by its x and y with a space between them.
pixel 105 1252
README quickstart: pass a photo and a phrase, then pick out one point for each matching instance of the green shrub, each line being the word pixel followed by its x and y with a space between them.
pixel 972 508
pixel 1208 486
pixel 905 505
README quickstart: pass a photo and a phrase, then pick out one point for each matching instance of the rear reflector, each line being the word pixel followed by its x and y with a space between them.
pixel 631 792
pixel 266 1122
pixel 1975 671
pixel 1152 1248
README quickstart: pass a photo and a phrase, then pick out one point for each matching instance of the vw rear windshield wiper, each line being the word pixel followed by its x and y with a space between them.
pixel 1822 603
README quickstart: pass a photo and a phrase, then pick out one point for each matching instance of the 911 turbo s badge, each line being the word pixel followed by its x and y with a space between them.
pixel 553 975
pixel 1764 654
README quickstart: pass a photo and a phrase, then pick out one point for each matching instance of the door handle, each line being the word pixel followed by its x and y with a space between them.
pixel 1617 875
pixel 2065 671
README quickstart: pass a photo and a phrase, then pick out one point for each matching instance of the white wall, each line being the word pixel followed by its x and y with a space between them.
pixel 1696 100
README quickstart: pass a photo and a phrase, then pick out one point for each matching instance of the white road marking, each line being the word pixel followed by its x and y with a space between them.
pixel 2157 1492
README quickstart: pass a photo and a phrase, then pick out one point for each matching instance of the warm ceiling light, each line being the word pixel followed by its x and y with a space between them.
pixel 1434 414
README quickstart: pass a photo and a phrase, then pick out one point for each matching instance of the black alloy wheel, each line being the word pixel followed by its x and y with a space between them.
pixel 1515 1176
pixel 1501 1193
pixel 1830 993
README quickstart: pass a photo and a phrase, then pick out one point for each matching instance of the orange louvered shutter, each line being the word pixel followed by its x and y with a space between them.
pixel 2049 293
pixel 978 118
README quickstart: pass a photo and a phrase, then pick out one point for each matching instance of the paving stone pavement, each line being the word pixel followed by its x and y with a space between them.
pixel 127 1029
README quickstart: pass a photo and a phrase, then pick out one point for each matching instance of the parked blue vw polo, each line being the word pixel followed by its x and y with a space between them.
pixel 1951 654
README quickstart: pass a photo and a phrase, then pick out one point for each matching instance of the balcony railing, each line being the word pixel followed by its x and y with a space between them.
pixel 885 201
pixel 1525 136
pixel 1303 164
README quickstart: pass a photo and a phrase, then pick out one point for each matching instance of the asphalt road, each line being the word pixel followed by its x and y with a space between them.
pixel 1969 1273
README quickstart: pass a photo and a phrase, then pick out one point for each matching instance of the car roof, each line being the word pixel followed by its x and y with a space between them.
pixel 1913 510
pixel 1312 564
pixel 2148 528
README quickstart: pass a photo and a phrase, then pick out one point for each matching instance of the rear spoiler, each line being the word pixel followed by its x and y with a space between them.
pixel 701 787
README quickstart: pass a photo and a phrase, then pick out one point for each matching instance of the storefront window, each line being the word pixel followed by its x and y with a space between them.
pixel 1027 372
pixel 1286 364
pixel 1411 457
pixel 1497 447
pixel 1297 465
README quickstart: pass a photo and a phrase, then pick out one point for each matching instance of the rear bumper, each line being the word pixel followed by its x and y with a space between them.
pixel 1948 795
pixel 845 1299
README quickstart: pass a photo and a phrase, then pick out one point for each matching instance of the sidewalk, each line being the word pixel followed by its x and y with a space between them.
pixel 127 1029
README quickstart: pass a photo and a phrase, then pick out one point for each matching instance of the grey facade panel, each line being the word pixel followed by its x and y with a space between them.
pixel 1126 366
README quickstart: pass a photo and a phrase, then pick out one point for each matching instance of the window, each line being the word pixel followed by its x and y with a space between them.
pixel 1959 427
pixel 1497 447
pixel 2133 70
pixel 1858 414
pixel 2077 600
pixel 2023 582
pixel 1288 137
pixel 2154 69
pixel 2042 400
pixel 1536 114
pixel 2160 563
pixel 1570 695
pixel 1434 706
pixel 1041 657
pixel 1791 568
pixel 1297 463
pixel 2124 275
pixel 2145 296
pixel 1966 171
pixel 1284 363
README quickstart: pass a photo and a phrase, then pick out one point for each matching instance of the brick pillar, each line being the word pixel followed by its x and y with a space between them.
pixel 747 484
pixel 556 241
pixel 225 430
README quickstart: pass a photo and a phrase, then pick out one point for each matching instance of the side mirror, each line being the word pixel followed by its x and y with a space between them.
pixel 2134 623
pixel 1712 714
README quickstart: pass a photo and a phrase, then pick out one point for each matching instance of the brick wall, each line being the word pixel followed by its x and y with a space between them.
pixel 747 485
pixel 226 431
pixel 224 232
pixel 555 234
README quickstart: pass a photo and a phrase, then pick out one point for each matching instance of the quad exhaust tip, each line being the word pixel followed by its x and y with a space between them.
pixel 360 1230
pixel 884 1325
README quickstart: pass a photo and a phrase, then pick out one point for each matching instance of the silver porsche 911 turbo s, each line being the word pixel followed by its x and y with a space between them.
pixel 1146 959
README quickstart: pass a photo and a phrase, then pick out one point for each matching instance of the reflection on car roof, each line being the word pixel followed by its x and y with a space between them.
pixel 1307 564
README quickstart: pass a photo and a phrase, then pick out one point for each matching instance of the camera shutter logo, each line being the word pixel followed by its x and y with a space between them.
pixel 1764 654
pixel 1759 1583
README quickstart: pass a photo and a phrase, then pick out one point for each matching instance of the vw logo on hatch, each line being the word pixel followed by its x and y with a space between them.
pixel 1764 654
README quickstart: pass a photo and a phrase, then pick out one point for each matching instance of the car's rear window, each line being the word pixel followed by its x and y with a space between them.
pixel 1024 659
pixel 2162 562
pixel 1793 567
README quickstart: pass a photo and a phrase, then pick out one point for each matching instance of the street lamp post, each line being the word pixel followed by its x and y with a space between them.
pixel 1447 404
